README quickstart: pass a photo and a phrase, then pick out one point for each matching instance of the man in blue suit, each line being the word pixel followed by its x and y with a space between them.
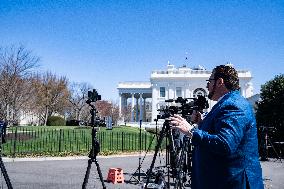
pixel 225 154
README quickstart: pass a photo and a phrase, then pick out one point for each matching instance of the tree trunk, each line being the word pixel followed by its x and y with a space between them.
pixel 46 115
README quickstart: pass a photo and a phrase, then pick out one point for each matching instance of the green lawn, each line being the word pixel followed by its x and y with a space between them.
pixel 73 140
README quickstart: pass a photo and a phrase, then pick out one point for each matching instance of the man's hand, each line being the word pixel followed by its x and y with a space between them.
pixel 196 117
pixel 177 122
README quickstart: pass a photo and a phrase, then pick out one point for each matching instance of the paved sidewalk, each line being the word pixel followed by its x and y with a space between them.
pixel 273 174
pixel 68 173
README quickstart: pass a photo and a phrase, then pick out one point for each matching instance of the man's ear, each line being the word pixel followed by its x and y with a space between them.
pixel 220 81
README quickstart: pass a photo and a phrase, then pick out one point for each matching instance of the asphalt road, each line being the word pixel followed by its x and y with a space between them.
pixel 68 173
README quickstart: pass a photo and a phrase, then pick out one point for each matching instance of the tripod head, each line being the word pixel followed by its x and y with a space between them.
pixel 93 96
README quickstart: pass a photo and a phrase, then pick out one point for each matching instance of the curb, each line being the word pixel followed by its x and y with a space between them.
pixel 6 159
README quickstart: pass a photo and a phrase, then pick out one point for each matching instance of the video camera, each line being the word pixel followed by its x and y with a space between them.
pixel 93 96
pixel 187 105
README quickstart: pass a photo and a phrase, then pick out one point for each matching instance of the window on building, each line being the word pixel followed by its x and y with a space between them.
pixel 162 92
pixel 178 92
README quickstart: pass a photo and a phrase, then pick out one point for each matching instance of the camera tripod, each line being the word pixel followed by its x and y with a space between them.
pixel 178 158
pixel 183 165
pixel 95 149
pixel 141 161
pixel 165 132
pixel 2 166
pixel 266 143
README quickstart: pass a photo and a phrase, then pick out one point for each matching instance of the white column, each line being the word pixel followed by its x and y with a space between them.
pixel 144 110
pixel 187 91
pixel 124 102
pixel 132 108
pixel 124 107
pixel 141 110
pixel 155 96
pixel 120 105
pixel 137 119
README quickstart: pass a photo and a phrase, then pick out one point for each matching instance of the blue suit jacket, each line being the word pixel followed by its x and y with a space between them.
pixel 225 153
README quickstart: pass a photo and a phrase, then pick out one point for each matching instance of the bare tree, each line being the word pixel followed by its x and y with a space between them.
pixel 16 67
pixel 115 113
pixel 126 113
pixel 78 97
pixel 51 95
pixel 106 108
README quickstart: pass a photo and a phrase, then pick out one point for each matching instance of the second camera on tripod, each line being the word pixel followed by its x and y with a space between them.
pixel 186 107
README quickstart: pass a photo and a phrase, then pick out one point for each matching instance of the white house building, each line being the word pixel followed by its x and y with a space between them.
pixel 169 84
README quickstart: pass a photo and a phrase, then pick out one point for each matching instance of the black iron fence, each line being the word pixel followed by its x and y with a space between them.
pixel 20 140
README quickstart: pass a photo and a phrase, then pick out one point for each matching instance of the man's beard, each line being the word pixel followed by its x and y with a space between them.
pixel 210 95
pixel 212 92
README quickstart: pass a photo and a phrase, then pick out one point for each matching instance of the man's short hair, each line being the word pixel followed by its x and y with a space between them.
pixel 229 75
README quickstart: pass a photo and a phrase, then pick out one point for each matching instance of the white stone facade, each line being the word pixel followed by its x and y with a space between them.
pixel 172 83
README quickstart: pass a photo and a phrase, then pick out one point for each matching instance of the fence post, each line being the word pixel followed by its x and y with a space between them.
pixel 122 135
pixel 60 138
pixel 145 134
pixel 15 142
pixel 117 137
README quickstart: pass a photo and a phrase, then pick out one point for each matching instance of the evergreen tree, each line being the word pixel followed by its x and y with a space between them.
pixel 270 110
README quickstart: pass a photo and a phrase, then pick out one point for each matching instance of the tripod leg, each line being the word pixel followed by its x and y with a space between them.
pixel 276 153
pixel 179 182
pixel 87 174
pixel 100 174
pixel 5 174
pixel 140 163
pixel 157 147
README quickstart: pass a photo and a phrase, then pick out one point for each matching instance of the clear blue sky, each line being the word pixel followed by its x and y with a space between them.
pixel 105 42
